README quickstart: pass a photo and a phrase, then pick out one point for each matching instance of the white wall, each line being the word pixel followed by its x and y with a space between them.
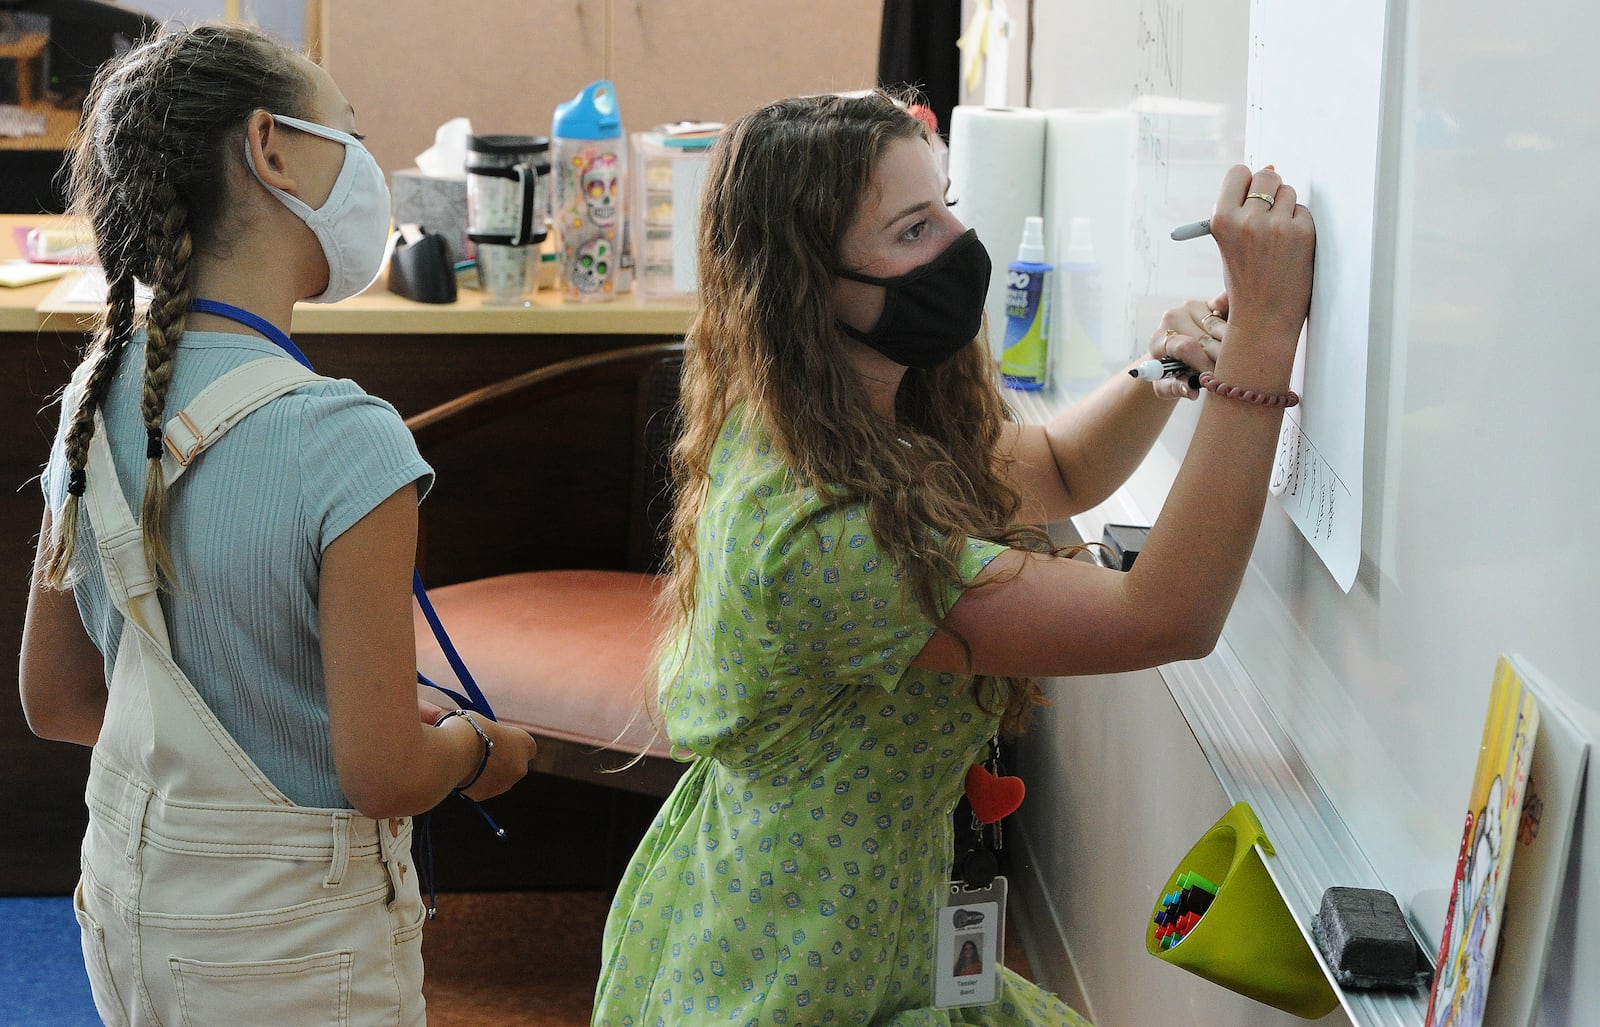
pixel 285 19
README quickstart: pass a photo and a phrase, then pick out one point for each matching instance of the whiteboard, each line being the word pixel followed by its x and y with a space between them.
pixel 1479 488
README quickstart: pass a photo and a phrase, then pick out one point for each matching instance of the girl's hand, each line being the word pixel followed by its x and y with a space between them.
pixel 509 759
pixel 508 762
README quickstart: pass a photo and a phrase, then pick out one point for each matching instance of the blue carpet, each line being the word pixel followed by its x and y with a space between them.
pixel 41 963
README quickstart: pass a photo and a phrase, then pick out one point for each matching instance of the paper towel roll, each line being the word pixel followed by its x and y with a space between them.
pixel 1089 173
pixel 997 179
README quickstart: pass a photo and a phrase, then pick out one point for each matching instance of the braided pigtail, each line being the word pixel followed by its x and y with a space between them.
pixel 172 249
pixel 149 172
pixel 103 357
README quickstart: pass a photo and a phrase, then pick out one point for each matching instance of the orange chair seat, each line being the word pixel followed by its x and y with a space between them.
pixel 564 654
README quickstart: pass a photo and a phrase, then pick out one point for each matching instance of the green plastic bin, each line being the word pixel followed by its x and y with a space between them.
pixel 1247 941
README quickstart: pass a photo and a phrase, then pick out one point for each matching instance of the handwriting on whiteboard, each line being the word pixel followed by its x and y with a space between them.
pixel 1159 73
pixel 1160 46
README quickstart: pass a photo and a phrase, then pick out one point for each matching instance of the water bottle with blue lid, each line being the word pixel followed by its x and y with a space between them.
pixel 590 169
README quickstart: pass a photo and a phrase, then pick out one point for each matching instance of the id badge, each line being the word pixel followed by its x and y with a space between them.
pixel 969 946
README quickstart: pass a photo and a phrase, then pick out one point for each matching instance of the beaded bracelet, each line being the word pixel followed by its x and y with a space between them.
pixel 488 743
pixel 1208 381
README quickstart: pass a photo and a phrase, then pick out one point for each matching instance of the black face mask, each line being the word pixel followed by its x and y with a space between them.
pixel 931 312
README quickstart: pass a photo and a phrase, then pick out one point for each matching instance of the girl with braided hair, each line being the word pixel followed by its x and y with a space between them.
pixel 240 655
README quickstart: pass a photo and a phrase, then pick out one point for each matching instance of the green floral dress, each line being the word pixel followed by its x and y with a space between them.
pixel 795 874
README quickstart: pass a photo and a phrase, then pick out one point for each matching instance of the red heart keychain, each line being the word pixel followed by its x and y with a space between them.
pixel 992 798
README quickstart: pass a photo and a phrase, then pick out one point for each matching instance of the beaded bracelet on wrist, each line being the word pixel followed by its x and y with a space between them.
pixel 1209 382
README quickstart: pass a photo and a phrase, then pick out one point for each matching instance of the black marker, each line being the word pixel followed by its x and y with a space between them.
pixel 1167 367
pixel 1194 231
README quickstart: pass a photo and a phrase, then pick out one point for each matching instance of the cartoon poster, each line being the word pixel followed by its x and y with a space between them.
pixel 1483 868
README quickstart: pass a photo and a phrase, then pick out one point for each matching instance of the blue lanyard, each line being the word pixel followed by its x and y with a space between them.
pixel 474 698
pixel 256 321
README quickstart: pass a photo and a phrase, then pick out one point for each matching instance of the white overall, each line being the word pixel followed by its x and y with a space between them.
pixel 207 897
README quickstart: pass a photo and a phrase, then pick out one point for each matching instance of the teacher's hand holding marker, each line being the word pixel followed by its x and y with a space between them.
pixel 1242 346
pixel 1186 344
pixel 1267 241
pixel 1184 349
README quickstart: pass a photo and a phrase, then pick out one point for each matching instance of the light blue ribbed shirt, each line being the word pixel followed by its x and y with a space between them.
pixel 247 524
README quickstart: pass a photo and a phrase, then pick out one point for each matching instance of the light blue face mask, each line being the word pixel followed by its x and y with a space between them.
pixel 353 225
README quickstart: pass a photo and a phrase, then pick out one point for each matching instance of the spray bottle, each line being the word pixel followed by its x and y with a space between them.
pixel 1025 359
pixel 1078 327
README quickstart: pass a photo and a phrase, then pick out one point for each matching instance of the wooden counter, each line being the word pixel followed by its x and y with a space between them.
pixel 566 506
pixel 378 311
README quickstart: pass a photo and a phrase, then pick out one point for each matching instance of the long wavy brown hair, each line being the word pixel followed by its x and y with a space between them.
pixel 148 174
pixel 784 183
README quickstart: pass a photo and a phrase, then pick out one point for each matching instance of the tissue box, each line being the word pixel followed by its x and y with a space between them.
pixel 436 203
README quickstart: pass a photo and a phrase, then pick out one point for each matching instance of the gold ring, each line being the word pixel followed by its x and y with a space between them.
pixel 1261 196
pixel 1214 314
pixel 1166 340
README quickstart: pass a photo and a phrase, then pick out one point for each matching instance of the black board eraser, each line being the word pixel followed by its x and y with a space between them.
pixel 1366 941
pixel 1123 542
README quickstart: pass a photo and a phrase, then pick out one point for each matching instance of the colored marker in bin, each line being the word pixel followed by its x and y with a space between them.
pixel 1181 910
